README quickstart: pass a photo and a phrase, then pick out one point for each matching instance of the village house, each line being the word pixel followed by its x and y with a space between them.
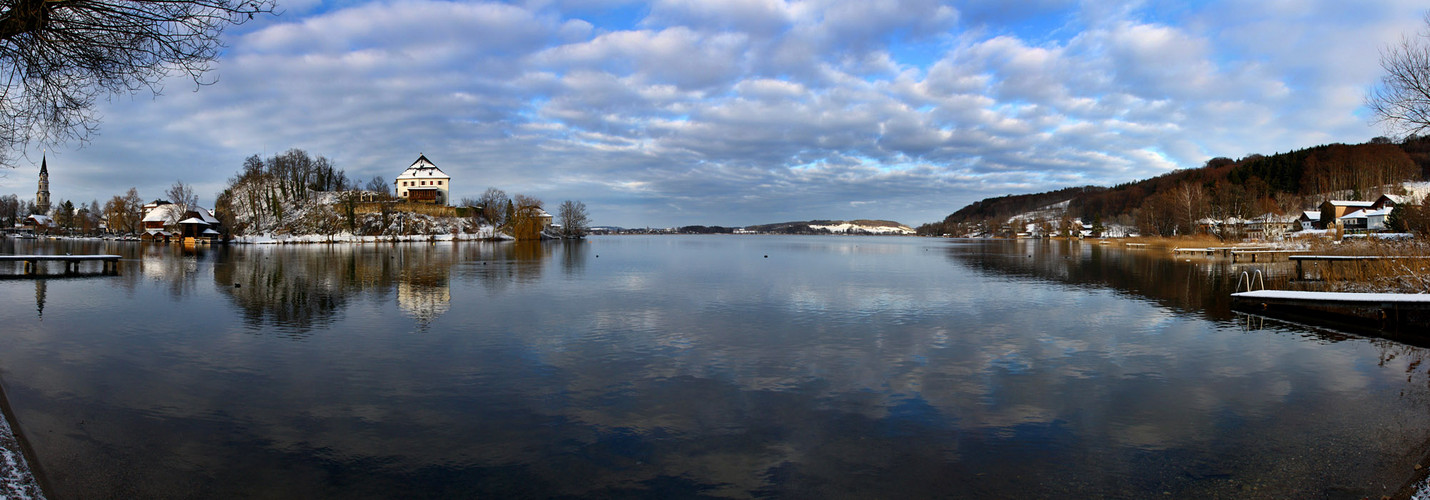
pixel 1366 220
pixel 1310 219
pixel 38 224
pixel 1388 201
pixel 1270 226
pixel 423 182
pixel 163 222
pixel 1333 210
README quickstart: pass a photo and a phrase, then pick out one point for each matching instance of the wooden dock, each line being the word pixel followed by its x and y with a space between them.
pixel 1224 251
pixel 1328 259
pixel 1387 307
pixel 1262 255
pixel 72 262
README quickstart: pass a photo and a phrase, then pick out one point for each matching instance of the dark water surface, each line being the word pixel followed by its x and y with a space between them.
pixel 687 366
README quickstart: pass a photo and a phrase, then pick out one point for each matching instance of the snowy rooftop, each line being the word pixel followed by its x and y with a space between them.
pixel 423 169
pixel 1346 203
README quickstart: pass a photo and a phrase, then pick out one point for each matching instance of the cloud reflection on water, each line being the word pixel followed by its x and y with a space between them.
pixel 843 366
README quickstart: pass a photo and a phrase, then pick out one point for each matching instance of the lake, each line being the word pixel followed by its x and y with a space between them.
pixel 691 366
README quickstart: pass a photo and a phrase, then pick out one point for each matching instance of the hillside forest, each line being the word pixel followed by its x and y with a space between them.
pixel 1223 188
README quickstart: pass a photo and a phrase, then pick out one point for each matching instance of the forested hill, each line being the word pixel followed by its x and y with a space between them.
pixel 1257 184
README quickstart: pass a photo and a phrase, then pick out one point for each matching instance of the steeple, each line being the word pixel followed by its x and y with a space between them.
pixel 42 197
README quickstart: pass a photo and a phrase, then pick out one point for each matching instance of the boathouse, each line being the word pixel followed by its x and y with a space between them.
pixel 163 220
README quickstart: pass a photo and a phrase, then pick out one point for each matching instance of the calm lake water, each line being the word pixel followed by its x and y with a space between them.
pixel 690 366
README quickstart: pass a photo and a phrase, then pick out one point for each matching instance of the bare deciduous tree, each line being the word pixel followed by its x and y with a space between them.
pixel 1402 100
pixel 125 212
pixel 573 218
pixel 183 197
pixel 58 57
pixel 493 203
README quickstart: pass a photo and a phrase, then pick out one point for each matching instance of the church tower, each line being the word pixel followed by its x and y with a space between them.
pixel 42 197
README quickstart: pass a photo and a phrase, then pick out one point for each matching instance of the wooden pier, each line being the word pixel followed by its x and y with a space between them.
pixel 1328 259
pixel 1389 308
pixel 1262 255
pixel 1224 251
pixel 72 262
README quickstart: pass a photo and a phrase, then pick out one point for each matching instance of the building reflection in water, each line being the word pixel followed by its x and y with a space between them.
pixel 424 291
pixel 40 298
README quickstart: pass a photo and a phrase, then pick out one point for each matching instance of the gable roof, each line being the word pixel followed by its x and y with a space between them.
pixel 423 169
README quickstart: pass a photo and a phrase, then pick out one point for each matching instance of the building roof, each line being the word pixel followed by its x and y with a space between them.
pixel 160 213
pixel 1363 214
pixel 43 220
pixel 1311 214
pixel 205 214
pixel 1347 203
pixel 423 169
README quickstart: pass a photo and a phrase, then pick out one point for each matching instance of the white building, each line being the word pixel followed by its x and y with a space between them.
pixel 423 182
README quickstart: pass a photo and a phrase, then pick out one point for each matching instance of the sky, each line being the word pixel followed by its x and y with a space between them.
pixel 741 112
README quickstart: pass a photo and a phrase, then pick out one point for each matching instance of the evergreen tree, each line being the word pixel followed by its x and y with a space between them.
pixel 1396 220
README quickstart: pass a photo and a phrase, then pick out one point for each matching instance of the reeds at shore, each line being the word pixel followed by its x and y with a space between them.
pixel 1403 266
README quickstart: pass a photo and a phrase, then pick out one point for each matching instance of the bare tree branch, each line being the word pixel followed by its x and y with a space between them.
pixel 1402 100
pixel 58 56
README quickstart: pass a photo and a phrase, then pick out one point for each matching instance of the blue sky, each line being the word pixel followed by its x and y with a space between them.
pixel 736 112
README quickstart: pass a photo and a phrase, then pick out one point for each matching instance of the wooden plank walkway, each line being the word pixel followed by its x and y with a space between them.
pixel 1255 255
pixel 1328 259
pixel 1224 251
pixel 72 262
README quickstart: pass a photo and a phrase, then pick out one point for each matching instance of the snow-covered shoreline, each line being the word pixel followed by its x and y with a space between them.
pixel 16 478
pixel 486 233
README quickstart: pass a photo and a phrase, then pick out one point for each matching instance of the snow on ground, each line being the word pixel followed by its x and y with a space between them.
pixel 849 227
pixel 484 233
pixel 16 480
pixel 1417 190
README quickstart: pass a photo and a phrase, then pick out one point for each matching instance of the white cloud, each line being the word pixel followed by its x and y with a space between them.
pixel 749 111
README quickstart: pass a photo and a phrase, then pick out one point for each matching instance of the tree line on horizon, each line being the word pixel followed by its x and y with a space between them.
pixel 1222 188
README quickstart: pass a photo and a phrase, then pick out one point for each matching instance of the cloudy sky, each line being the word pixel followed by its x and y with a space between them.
pixel 736 112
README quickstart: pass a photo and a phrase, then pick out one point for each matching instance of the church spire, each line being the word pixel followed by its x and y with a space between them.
pixel 42 197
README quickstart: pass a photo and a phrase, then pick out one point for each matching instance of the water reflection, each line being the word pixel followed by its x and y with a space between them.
pixel 40 298
pixel 1193 285
pixel 688 366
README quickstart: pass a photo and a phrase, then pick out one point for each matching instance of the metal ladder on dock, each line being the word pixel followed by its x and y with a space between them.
pixel 1250 281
